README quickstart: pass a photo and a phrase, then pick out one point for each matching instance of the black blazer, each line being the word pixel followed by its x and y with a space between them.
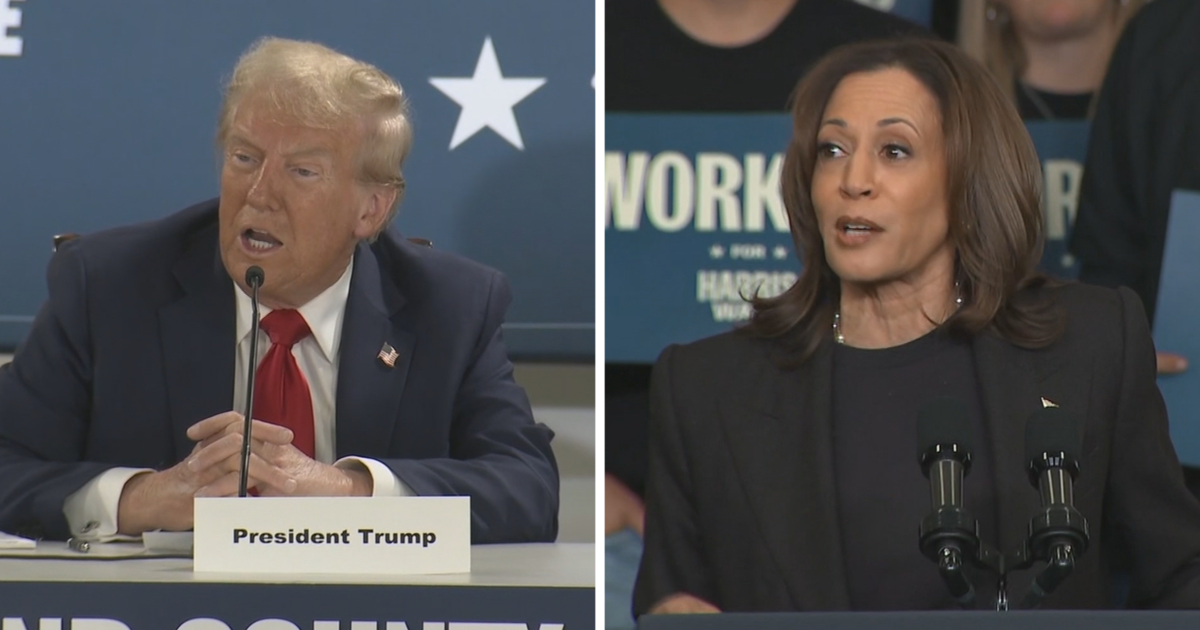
pixel 740 508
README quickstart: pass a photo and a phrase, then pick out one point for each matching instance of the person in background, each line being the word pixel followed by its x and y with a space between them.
pixel 1049 55
pixel 725 55
pixel 782 474
pixel 1141 150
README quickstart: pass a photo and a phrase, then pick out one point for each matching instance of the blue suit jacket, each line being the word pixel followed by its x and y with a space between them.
pixel 136 343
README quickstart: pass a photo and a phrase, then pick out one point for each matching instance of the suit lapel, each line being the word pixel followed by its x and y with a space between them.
pixel 197 335
pixel 1011 381
pixel 368 390
pixel 784 458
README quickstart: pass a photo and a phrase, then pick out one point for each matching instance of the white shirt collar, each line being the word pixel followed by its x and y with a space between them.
pixel 323 314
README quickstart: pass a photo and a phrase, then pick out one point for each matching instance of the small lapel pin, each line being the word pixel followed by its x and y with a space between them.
pixel 1046 403
pixel 388 355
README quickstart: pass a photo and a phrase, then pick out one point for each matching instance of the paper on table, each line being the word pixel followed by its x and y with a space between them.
pixel 118 550
pixel 9 541
pixel 1177 323
pixel 168 542
pixel 48 549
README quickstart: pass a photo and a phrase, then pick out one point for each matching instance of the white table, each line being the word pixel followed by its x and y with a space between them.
pixel 534 586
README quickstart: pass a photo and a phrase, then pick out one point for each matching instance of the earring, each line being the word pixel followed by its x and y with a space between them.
pixel 996 14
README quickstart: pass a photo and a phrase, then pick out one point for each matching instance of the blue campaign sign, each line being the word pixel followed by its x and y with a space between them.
pixel 1175 322
pixel 694 219
pixel 108 113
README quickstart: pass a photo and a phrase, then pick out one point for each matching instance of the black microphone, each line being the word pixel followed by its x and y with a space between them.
pixel 949 536
pixel 1058 534
pixel 254 280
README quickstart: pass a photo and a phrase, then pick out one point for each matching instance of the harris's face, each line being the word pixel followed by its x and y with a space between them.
pixel 879 184
pixel 292 203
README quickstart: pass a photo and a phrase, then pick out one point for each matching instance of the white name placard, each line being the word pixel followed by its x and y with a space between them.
pixel 376 535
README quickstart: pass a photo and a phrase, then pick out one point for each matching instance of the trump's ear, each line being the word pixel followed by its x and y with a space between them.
pixel 374 211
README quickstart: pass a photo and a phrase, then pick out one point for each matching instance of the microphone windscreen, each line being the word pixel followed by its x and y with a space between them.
pixel 942 421
pixel 1051 430
pixel 254 276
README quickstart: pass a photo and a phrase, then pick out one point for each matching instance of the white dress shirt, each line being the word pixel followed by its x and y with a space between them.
pixel 91 511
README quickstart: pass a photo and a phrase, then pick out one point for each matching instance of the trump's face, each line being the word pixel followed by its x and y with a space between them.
pixel 879 185
pixel 292 203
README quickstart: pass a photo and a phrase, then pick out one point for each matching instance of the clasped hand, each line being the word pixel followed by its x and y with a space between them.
pixel 163 500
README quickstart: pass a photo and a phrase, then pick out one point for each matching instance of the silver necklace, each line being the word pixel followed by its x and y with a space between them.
pixel 837 317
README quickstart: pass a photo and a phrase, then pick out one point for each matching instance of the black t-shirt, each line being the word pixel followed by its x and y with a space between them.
pixel 653 66
pixel 1035 104
pixel 627 424
pixel 882 494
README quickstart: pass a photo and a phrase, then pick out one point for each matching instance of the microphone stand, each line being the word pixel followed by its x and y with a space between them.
pixel 950 537
pixel 254 279
pixel 1059 565
pixel 1058 533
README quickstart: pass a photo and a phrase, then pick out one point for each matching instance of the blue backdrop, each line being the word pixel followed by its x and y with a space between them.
pixel 108 111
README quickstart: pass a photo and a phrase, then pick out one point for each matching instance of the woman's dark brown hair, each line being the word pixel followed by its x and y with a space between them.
pixel 993 184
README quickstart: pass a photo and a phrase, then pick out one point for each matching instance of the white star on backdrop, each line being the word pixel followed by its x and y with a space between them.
pixel 716 251
pixel 487 99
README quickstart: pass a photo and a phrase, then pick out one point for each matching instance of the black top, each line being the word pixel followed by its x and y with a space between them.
pixel 626 422
pixel 1142 147
pixel 742 496
pixel 653 66
pixel 1035 104
pixel 882 495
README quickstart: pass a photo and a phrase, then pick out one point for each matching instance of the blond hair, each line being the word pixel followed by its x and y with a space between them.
pixel 987 34
pixel 322 88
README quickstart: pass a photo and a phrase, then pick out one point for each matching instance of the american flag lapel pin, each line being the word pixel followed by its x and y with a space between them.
pixel 388 355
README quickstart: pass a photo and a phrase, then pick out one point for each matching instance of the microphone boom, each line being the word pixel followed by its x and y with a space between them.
pixel 254 279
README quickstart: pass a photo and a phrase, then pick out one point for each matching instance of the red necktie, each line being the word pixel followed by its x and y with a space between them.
pixel 280 390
